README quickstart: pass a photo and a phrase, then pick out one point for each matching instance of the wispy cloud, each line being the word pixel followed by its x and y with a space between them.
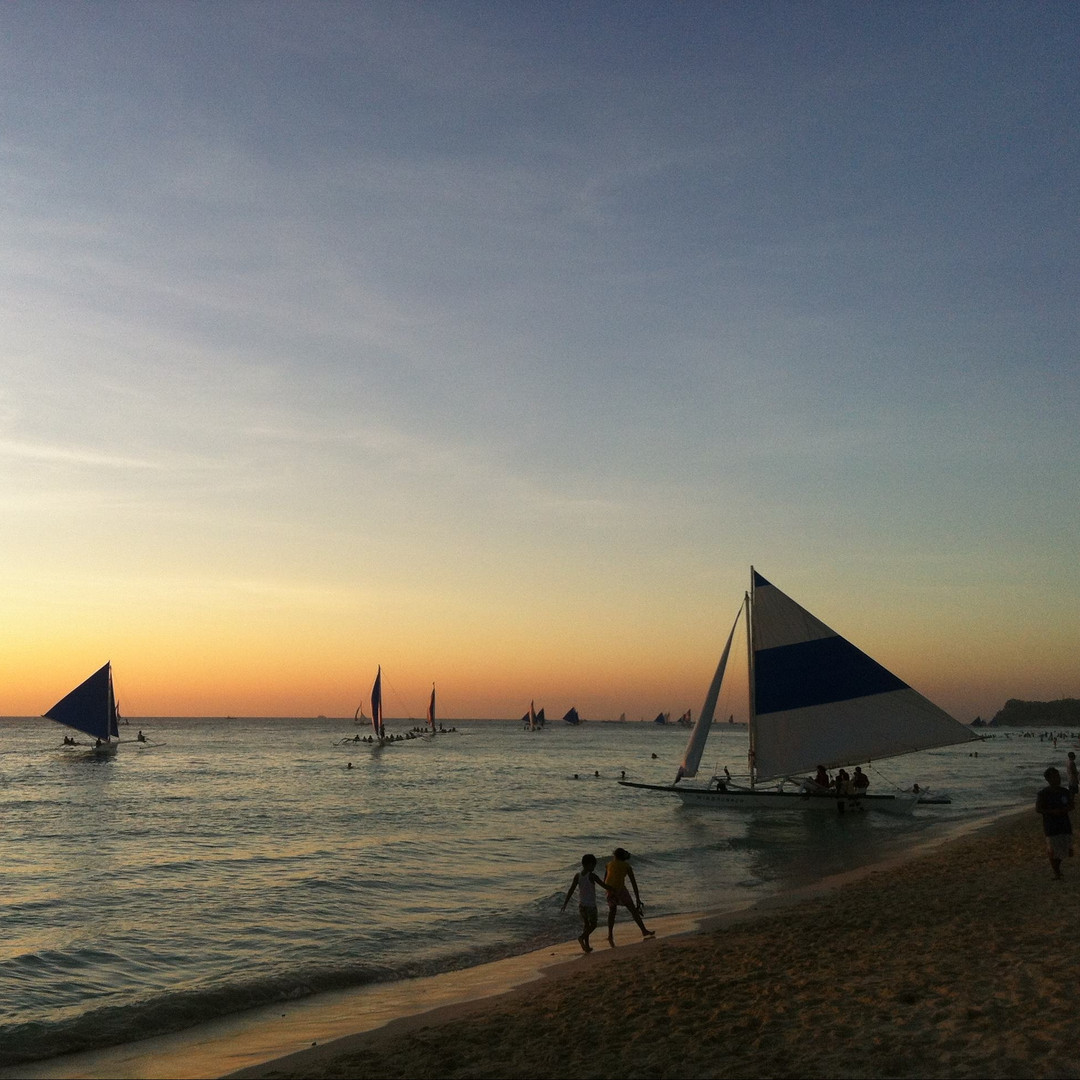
pixel 73 456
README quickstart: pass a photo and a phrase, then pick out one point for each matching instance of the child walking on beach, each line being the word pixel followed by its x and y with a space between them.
pixel 618 871
pixel 585 881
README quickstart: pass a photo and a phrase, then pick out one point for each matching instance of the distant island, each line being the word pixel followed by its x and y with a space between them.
pixel 1045 714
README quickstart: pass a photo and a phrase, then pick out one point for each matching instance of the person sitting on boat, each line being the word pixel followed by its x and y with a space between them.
pixel 818 783
pixel 842 784
pixel 860 781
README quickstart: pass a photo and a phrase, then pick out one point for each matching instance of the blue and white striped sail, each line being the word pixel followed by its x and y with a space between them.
pixel 818 700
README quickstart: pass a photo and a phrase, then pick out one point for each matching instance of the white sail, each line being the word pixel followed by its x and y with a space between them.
pixel 818 700
pixel 695 745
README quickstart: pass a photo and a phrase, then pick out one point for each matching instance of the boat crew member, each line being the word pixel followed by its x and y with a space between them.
pixel 842 783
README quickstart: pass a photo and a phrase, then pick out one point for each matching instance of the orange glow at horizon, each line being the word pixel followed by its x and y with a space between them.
pixel 248 667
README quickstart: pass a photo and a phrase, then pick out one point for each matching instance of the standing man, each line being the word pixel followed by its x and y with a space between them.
pixel 1055 804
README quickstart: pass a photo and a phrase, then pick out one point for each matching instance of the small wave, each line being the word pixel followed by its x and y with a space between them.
pixel 160 1014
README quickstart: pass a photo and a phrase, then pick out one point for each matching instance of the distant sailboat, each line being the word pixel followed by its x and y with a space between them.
pixel 533 720
pixel 91 708
pixel 376 708
pixel 815 699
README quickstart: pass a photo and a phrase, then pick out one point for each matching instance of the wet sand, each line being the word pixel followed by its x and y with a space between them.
pixel 956 962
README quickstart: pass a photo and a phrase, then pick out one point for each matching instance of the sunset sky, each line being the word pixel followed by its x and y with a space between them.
pixel 493 343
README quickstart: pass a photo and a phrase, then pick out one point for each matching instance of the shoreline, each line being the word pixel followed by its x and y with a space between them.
pixel 947 960
pixel 307 1036
pixel 256 1037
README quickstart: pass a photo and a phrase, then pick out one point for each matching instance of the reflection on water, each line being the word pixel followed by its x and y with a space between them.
pixel 224 864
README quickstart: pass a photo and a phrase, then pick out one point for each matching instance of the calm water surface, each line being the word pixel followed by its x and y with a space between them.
pixel 230 863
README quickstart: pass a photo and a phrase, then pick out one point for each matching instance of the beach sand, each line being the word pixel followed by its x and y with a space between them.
pixel 957 962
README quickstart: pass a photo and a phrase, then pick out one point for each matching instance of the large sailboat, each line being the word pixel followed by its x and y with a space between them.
pixel 92 709
pixel 814 700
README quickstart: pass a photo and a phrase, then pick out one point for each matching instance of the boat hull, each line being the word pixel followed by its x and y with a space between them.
pixel 759 799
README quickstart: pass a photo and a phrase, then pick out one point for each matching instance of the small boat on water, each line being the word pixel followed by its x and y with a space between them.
pixel 376 709
pixel 92 709
pixel 379 737
pixel 533 720
pixel 814 700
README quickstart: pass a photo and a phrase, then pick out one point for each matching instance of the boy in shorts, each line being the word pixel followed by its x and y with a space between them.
pixel 618 873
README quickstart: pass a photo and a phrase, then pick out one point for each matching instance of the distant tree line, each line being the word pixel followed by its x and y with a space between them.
pixel 1062 713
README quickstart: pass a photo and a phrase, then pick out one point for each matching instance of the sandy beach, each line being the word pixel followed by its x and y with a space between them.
pixel 959 962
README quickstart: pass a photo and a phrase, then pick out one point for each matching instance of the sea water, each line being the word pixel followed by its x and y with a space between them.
pixel 226 864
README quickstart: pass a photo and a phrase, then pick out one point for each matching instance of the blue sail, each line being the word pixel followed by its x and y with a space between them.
pixel 90 707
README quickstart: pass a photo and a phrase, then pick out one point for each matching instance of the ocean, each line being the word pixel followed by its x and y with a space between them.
pixel 231 863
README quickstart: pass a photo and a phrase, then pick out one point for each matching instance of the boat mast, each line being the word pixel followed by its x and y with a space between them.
pixel 751 718
pixel 110 709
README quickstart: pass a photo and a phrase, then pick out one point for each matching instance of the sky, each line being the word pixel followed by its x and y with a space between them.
pixel 492 343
